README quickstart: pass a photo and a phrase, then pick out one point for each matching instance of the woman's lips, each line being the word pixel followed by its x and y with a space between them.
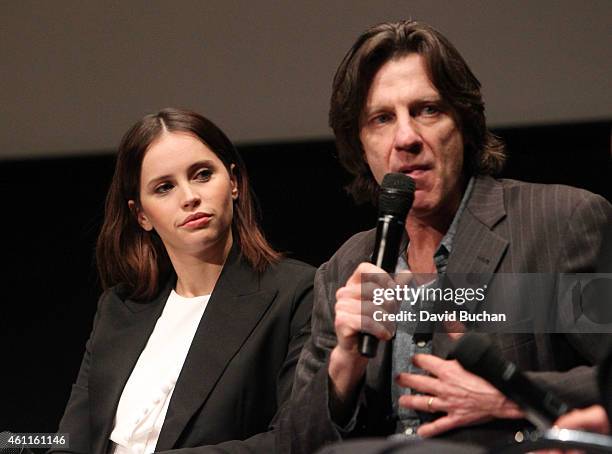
pixel 196 221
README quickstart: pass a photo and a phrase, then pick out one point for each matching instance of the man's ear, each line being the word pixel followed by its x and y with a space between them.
pixel 233 182
pixel 141 218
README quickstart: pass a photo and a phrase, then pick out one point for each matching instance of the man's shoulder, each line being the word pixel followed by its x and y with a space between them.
pixel 544 188
pixel 355 250
pixel 357 247
pixel 521 195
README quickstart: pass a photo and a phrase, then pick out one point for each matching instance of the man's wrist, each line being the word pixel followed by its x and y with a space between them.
pixel 346 370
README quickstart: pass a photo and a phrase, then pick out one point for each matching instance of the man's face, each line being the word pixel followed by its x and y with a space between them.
pixel 406 127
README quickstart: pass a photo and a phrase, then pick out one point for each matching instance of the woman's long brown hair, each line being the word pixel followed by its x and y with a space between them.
pixel 127 254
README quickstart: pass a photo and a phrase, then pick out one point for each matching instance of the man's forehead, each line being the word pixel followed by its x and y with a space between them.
pixel 405 76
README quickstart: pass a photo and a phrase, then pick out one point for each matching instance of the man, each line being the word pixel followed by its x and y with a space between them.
pixel 404 100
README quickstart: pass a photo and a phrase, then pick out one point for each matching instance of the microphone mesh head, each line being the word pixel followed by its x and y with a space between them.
pixel 396 194
pixel 471 349
pixel 477 354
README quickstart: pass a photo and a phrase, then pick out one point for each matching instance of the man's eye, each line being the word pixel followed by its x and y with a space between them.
pixel 203 175
pixel 163 188
pixel 430 110
pixel 381 119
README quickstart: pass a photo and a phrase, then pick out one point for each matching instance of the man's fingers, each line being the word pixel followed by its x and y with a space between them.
pixel 421 383
pixel 365 309
pixel 592 419
pixel 348 292
pixel 355 278
pixel 513 413
pixel 431 404
pixel 350 305
pixel 348 325
pixel 373 274
pixel 440 425
pixel 430 363
pixel 403 278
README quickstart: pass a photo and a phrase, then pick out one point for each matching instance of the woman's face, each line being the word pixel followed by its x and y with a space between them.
pixel 186 196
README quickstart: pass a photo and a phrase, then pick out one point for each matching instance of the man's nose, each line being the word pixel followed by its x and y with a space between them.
pixel 407 135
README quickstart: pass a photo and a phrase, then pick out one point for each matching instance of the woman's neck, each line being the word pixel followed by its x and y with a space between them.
pixel 197 274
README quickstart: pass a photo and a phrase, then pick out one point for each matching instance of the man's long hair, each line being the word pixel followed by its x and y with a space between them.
pixel 449 73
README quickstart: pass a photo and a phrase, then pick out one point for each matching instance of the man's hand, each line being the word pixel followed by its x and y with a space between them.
pixel 355 314
pixel 591 419
pixel 465 398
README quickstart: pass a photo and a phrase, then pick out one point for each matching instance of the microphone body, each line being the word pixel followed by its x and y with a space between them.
pixel 477 354
pixel 395 200
pixel 389 231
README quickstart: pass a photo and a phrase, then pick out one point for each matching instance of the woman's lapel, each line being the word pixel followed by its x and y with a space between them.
pixel 121 335
pixel 236 306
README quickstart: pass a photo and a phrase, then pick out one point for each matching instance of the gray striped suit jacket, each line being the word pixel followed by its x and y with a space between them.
pixel 508 227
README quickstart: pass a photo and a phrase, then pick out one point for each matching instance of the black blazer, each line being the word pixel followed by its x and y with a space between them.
pixel 236 378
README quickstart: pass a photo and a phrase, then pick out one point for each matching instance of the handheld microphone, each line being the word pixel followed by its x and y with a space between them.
pixel 394 202
pixel 477 354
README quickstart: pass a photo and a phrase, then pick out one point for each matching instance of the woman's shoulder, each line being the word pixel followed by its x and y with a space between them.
pixel 292 282
pixel 116 293
pixel 288 273
pixel 291 267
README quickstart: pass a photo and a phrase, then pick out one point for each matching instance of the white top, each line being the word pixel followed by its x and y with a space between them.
pixel 145 398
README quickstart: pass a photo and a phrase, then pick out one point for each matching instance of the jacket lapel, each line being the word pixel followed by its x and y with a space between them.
pixel 477 248
pixel 126 332
pixel 236 306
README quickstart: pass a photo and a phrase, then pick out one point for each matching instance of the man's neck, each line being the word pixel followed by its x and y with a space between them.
pixel 425 234
pixel 424 240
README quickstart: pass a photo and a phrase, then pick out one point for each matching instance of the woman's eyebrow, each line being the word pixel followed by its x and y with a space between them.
pixel 192 168
pixel 198 164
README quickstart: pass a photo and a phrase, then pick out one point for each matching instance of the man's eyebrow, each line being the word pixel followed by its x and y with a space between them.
pixel 432 98
pixel 368 109
pixel 371 108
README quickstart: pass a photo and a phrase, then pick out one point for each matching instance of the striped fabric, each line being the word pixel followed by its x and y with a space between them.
pixel 507 227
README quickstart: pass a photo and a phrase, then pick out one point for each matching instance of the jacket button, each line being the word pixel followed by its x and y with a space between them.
pixel 519 437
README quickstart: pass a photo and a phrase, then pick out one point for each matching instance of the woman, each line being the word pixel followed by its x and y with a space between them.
pixel 199 329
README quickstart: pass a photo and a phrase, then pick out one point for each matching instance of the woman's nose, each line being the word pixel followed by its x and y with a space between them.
pixel 190 197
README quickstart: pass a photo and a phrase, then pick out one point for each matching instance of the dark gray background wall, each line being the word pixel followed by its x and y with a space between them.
pixel 76 73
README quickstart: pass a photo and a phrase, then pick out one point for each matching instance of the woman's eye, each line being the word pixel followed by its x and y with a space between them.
pixel 203 175
pixel 163 188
